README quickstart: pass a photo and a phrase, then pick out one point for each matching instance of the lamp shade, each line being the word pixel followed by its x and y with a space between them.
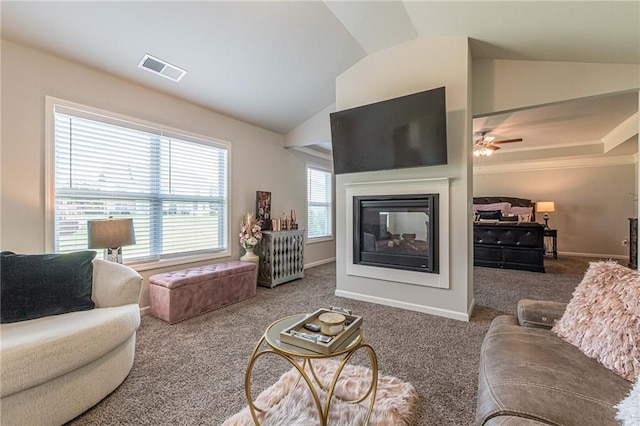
pixel 545 206
pixel 110 233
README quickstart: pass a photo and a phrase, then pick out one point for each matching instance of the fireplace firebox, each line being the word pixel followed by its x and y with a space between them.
pixel 396 231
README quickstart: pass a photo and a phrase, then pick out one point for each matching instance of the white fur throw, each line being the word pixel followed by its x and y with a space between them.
pixel 286 403
pixel 629 408
pixel 603 318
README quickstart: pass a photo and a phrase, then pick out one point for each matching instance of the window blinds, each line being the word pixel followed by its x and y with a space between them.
pixel 318 203
pixel 174 188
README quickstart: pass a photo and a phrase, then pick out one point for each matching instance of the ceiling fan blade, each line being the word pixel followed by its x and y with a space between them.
pixel 508 140
pixel 492 148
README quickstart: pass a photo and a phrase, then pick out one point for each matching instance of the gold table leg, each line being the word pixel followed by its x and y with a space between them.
pixel 247 382
pixel 323 414
pixel 373 387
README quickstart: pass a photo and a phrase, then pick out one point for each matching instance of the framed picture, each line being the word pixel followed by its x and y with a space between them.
pixel 263 209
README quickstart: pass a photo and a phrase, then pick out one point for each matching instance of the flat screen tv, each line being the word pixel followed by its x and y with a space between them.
pixel 409 131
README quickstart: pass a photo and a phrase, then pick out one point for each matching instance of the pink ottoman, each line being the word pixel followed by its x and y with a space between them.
pixel 179 295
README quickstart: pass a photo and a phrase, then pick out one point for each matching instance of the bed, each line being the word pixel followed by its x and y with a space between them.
pixel 505 234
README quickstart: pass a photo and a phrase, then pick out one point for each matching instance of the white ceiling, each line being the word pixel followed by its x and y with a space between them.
pixel 274 64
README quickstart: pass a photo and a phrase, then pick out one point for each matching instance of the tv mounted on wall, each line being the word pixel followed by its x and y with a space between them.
pixel 409 131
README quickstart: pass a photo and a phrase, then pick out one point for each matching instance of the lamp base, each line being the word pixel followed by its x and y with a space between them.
pixel 546 221
pixel 113 254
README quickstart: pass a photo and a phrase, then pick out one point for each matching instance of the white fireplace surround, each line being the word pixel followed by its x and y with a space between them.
pixel 438 186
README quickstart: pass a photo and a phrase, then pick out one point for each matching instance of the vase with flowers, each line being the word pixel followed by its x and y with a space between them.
pixel 250 236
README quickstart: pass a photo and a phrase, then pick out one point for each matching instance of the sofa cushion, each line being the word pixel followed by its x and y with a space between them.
pixel 34 286
pixel 38 350
pixel 603 318
pixel 532 373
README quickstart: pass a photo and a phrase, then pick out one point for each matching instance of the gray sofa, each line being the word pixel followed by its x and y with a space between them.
pixel 529 376
pixel 56 367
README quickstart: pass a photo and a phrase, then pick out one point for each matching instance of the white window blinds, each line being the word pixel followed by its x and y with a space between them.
pixel 174 188
pixel 318 203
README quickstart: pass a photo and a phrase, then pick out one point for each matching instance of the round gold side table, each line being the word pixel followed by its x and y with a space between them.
pixel 301 358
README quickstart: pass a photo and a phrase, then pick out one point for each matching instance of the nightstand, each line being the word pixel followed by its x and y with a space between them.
pixel 551 235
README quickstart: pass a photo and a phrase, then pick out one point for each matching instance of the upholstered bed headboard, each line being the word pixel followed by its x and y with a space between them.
pixel 514 201
pixel 519 202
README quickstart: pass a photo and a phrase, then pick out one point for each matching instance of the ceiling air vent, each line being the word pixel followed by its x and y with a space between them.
pixel 158 66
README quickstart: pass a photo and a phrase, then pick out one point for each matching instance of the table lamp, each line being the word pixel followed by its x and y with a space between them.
pixel 111 234
pixel 545 207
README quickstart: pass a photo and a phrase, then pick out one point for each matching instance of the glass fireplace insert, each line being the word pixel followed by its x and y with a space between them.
pixel 396 231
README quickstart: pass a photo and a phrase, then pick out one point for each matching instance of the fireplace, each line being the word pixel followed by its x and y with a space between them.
pixel 396 231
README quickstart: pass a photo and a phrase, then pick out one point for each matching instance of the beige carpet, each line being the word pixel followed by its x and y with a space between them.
pixel 286 403
pixel 573 265
pixel 192 373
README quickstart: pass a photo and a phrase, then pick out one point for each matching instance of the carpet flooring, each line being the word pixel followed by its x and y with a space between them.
pixel 192 372
pixel 290 403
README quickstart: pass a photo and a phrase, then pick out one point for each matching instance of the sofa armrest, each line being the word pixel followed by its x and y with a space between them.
pixel 114 284
pixel 539 313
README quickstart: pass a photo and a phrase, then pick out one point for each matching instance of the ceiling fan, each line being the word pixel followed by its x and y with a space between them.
pixel 485 145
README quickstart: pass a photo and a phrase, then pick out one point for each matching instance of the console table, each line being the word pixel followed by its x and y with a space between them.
pixel 281 257
pixel 509 245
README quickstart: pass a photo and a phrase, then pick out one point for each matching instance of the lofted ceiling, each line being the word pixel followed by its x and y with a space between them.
pixel 274 63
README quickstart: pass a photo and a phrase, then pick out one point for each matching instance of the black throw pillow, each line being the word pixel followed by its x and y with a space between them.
pixel 489 214
pixel 34 286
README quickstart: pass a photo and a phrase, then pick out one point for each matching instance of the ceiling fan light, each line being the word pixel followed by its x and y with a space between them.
pixel 482 151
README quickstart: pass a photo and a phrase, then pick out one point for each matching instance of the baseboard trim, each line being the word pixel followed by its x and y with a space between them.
pixel 144 311
pixel 460 316
pixel 319 262
pixel 470 310
pixel 607 256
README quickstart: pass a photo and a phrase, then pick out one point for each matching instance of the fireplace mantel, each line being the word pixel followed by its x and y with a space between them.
pixel 438 186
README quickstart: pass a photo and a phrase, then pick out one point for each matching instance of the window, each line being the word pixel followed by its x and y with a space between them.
pixel 174 186
pixel 318 203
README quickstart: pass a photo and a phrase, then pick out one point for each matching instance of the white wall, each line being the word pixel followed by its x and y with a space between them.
pixel 408 68
pixel 501 85
pixel 316 129
pixel 259 159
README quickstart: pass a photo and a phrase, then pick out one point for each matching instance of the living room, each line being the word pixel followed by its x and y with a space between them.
pixel 260 160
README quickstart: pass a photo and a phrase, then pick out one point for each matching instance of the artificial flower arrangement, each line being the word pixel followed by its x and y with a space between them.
pixel 250 231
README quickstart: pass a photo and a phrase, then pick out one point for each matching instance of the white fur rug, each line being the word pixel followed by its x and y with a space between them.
pixel 287 405
pixel 629 408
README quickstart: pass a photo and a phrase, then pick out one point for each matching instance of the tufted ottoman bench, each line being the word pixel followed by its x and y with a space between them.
pixel 179 295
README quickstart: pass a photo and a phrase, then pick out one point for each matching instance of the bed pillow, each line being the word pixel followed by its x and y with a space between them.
pixel 490 214
pixel 503 207
pixel 520 210
pixel 35 286
pixel 603 318
pixel 524 218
